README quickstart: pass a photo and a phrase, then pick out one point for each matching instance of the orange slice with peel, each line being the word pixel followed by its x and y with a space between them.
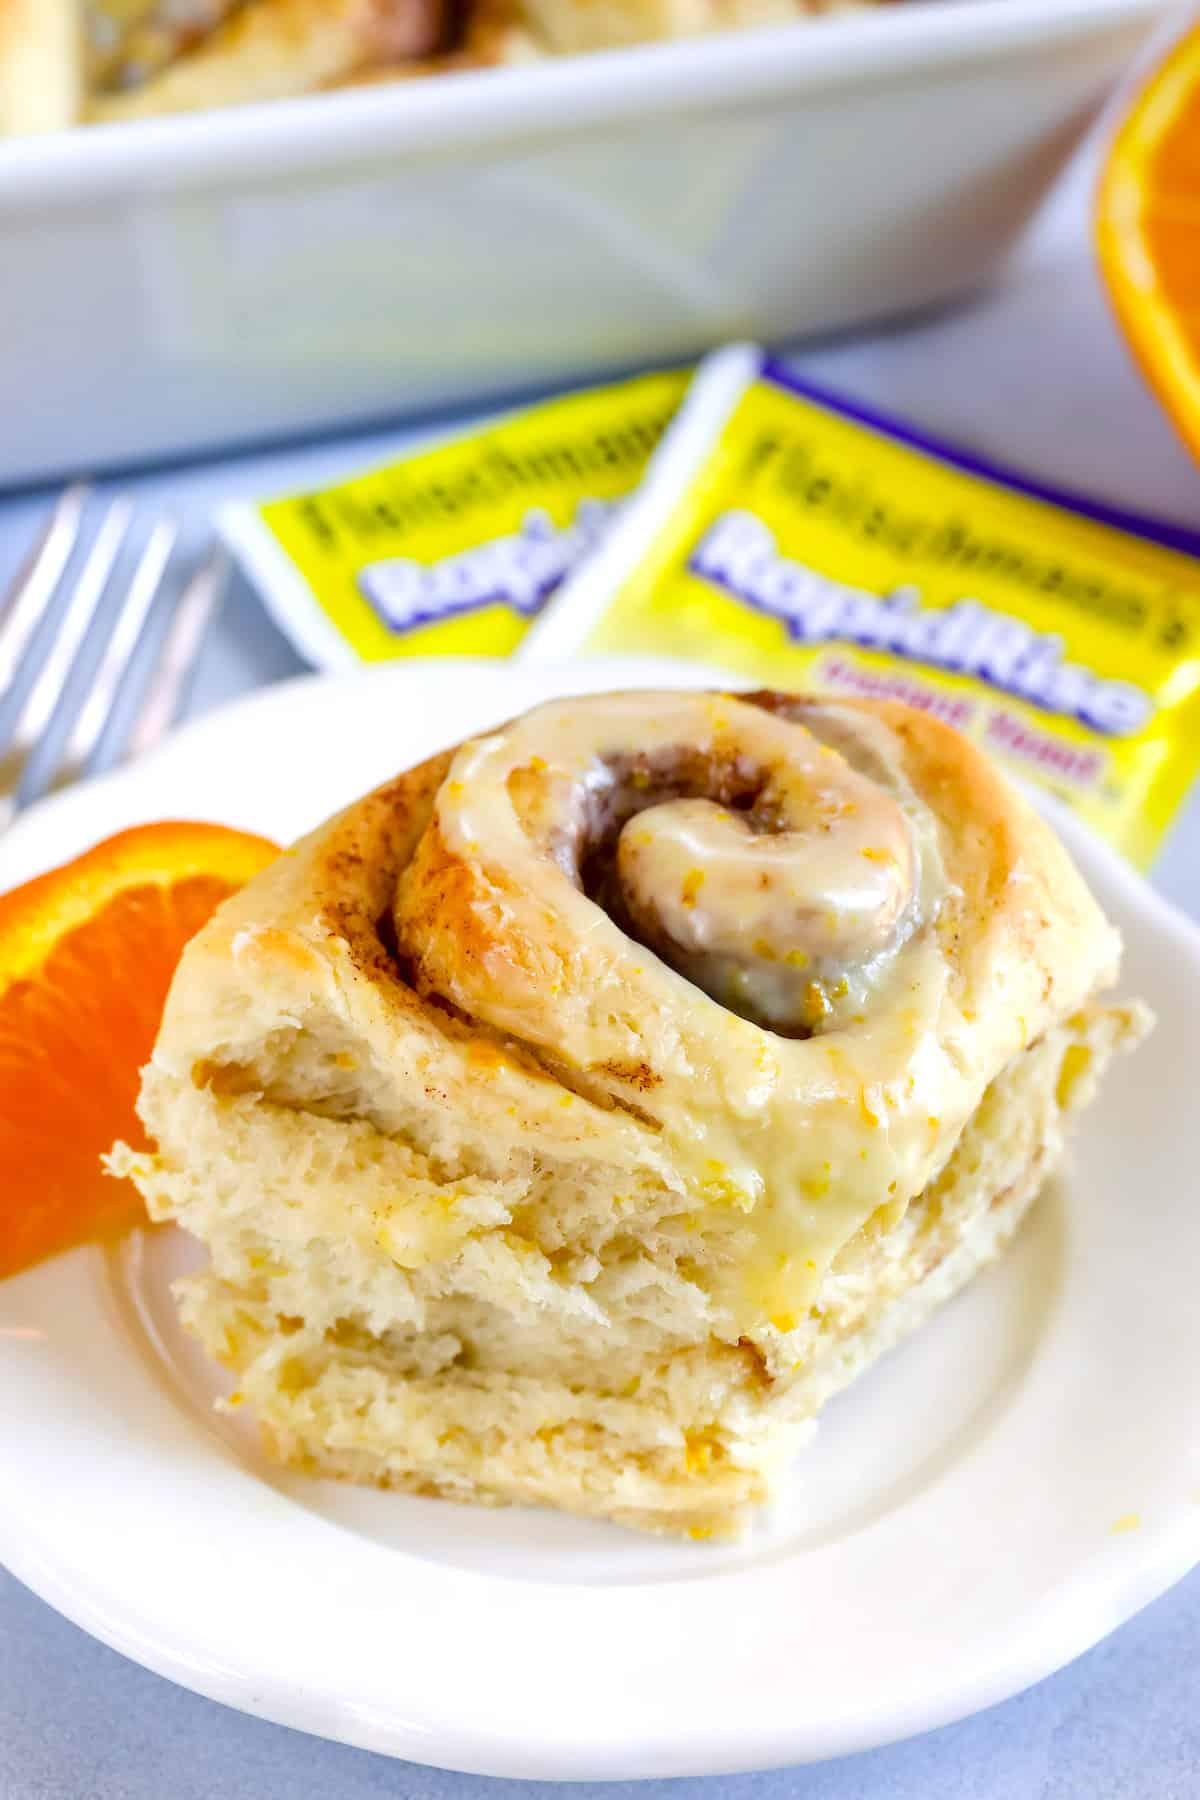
pixel 1148 231
pixel 87 952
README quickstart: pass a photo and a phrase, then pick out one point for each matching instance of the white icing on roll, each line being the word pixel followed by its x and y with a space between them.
pixel 592 823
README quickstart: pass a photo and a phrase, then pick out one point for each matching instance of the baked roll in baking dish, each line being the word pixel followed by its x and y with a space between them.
pixel 569 1118
pixel 72 62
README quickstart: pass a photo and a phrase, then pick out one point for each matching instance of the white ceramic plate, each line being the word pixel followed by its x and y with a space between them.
pixel 982 1507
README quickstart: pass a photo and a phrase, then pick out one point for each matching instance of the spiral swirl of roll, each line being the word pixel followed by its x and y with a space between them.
pixel 701 909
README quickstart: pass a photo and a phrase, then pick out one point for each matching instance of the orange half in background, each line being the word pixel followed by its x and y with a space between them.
pixel 87 953
pixel 1148 231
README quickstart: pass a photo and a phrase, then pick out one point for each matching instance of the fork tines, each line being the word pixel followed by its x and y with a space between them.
pixel 45 693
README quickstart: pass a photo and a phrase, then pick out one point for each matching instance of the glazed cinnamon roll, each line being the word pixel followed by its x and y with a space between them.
pixel 568 1119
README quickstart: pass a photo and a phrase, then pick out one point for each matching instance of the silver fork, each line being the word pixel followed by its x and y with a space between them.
pixel 41 589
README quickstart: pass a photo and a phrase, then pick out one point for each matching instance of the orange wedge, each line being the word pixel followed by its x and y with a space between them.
pixel 86 956
pixel 1148 231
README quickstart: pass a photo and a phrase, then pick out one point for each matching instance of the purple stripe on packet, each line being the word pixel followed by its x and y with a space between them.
pixel 1156 531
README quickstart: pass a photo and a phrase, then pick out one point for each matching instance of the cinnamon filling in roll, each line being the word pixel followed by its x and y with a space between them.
pixel 746 852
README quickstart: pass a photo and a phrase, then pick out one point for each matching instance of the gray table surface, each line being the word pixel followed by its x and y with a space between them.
pixel 1034 375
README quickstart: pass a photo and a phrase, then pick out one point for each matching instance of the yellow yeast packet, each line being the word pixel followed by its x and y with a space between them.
pixel 799 541
pixel 453 549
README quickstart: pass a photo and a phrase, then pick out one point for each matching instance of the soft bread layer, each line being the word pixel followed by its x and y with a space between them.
pixel 532 1333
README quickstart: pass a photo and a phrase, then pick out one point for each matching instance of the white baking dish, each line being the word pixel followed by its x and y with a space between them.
pixel 188 282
